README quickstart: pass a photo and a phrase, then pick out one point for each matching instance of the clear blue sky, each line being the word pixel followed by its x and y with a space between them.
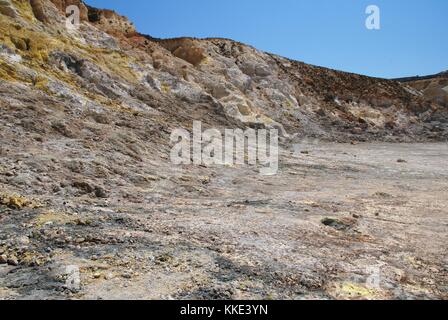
pixel 413 39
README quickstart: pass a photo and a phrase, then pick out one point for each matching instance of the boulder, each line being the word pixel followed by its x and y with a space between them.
pixel 7 9
pixel 39 10
pixel 111 22
pixel 193 55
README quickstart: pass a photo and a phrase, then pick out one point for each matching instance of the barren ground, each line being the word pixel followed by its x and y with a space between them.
pixel 209 233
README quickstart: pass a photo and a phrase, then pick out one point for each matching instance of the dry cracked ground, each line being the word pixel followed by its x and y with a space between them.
pixel 91 206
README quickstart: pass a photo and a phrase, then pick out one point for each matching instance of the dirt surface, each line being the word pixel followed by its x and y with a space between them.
pixel 335 216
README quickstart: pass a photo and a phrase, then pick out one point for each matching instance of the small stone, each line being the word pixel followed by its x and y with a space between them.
pixel 109 276
pixel 19 43
pixel 83 222
pixel 13 261
pixel 101 193
pixel 3 259
pixel 338 224
pixel 80 240
pixel 205 180
pixel 401 161
pixel 23 240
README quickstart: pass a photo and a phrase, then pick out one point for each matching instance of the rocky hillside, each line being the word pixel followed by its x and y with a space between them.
pixel 107 67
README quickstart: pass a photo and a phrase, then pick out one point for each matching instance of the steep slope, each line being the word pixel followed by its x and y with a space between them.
pixel 106 63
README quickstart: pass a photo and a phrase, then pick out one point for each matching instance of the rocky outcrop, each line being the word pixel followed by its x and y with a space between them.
pixel 39 10
pixel 63 4
pixel 111 22
pixel 51 11
pixel 107 20
pixel 187 49
pixel 434 87
pixel 193 55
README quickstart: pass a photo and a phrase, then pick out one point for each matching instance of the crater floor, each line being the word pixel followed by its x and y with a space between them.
pixel 362 221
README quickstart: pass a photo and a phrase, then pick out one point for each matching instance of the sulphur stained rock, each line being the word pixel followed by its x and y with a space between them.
pixel 21 44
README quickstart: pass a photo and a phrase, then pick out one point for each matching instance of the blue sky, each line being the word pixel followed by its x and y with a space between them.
pixel 413 39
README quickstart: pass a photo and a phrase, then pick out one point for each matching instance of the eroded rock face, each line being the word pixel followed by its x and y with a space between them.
pixel 434 88
pixel 110 21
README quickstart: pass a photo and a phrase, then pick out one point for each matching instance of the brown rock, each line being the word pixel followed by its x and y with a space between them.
pixel 193 55
pixel 7 9
pixel 19 43
pixel 38 10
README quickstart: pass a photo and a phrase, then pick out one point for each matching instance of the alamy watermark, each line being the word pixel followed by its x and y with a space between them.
pixel 373 21
pixel 73 280
pixel 72 20
pixel 373 281
pixel 235 146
